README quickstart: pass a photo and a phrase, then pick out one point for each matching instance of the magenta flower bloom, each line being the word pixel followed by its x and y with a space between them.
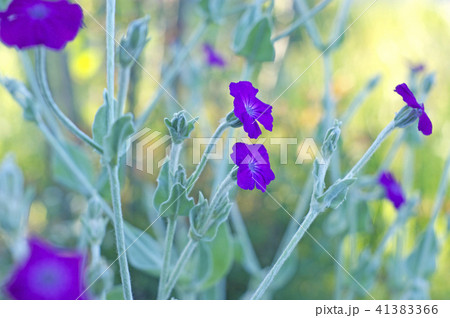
pixel 250 109
pixel 425 125
pixel 49 273
pixel 213 58
pixel 392 189
pixel 253 166
pixel 29 23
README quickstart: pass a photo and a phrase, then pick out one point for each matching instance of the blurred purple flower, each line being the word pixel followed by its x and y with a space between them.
pixel 253 166
pixel 29 23
pixel 49 273
pixel 249 109
pixel 392 189
pixel 213 58
pixel 417 68
pixel 425 125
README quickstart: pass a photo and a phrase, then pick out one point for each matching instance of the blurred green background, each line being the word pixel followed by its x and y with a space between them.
pixel 389 37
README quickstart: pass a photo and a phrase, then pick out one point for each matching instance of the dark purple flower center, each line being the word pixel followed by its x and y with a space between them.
pixel 38 11
pixel 249 108
pixel 252 165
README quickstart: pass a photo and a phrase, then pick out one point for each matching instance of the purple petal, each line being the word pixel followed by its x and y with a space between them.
pixel 28 23
pixel 240 153
pixel 243 89
pixel 254 166
pixel 49 273
pixel 392 189
pixel 250 109
pixel 263 113
pixel 213 58
pixel 251 127
pixel 408 96
pixel 425 125
pixel 245 179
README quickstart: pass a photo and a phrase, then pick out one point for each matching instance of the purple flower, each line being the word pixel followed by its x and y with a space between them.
pixel 425 125
pixel 417 68
pixel 392 189
pixel 49 273
pixel 212 57
pixel 250 109
pixel 28 23
pixel 253 166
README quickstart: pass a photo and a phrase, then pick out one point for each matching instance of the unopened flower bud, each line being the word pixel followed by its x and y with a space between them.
pixel 179 127
pixel 331 140
pixel 133 43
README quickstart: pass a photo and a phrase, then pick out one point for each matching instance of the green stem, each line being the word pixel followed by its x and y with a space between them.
pixel 41 76
pixel 310 217
pixel 192 245
pixel 302 20
pixel 310 25
pixel 113 172
pixel 172 72
pixel 110 55
pixel 376 144
pixel 224 186
pixel 300 210
pixel 314 212
pixel 124 83
pixel 168 243
pixel 177 270
pixel 251 262
pixel 198 170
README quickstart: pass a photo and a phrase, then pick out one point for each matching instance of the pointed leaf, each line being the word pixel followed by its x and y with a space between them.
pixel 115 142
pixel 143 252
pixel 162 190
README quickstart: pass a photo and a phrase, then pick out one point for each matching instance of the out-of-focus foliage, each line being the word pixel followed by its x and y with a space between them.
pixel 389 37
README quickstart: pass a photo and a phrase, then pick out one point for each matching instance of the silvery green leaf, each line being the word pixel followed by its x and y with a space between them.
pixel 178 204
pixel 21 95
pixel 197 218
pixel 201 266
pixel 220 214
pixel 336 222
pixel 116 293
pixel 4 4
pixel 143 252
pixel 162 190
pixel 222 253
pixel 65 176
pixel 100 125
pixel 243 28
pixel 422 261
pixel 257 45
pixel 15 199
pixel 115 143
pixel 335 194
